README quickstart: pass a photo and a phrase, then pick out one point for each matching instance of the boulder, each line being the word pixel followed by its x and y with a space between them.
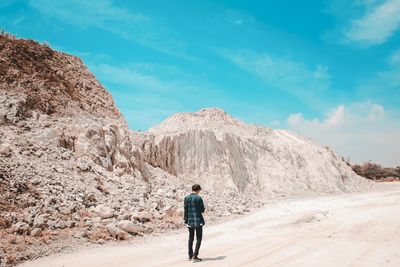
pixel 48 136
pixel 5 150
pixel 59 169
pixel 60 224
pixel 172 215
pixel 83 166
pixel 36 232
pixel 89 199
pixel 21 228
pixel 40 221
pixel 129 226
pixel 104 211
pixel 70 224
pixel 116 232
pixel 154 205
pixel 65 210
pixel 143 216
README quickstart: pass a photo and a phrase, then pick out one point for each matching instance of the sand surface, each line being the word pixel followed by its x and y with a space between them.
pixel 345 230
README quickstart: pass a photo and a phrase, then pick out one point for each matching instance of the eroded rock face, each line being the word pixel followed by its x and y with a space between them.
pixel 107 145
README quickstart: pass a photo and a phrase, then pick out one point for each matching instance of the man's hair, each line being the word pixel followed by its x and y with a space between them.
pixel 196 187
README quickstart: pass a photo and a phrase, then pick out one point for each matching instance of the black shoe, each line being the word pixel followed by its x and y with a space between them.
pixel 195 258
pixel 190 258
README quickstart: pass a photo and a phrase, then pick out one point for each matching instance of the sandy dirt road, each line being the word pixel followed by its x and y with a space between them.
pixel 346 230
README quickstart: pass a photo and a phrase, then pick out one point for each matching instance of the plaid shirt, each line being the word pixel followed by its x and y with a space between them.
pixel 194 208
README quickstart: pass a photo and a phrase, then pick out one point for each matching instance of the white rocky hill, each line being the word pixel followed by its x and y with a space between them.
pixel 221 152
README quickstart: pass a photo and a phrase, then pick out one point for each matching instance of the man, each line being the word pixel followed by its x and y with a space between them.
pixel 194 220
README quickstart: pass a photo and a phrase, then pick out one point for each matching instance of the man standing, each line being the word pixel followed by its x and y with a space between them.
pixel 194 220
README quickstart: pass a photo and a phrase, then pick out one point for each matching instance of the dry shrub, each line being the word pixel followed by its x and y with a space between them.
pixel 375 171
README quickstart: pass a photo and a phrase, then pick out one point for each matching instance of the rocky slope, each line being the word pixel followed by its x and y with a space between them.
pixel 51 82
pixel 72 173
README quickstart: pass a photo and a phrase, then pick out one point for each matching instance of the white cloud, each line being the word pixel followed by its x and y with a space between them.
pixel 376 112
pixel 295 119
pixel 376 26
pixel 147 93
pixel 103 14
pixel 144 98
pixel 139 77
pixel 335 117
pixel 332 118
pixel 284 74
pixel 362 131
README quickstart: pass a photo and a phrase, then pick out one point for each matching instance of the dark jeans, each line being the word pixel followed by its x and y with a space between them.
pixel 199 236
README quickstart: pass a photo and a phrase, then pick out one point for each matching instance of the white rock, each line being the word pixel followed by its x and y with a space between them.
pixel 59 169
pixel 65 210
pixel 104 211
pixel 36 232
pixel 129 226
pixel 5 150
pixel 83 165
pixel 113 230
pixel 143 216
pixel 40 221
pixel 21 227
pixel 47 136
pixel 116 232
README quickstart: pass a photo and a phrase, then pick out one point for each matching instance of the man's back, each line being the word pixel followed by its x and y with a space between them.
pixel 194 207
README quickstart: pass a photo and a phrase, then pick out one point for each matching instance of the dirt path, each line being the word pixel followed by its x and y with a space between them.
pixel 347 230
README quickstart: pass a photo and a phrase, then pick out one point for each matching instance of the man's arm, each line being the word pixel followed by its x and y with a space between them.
pixel 185 213
pixel 201 205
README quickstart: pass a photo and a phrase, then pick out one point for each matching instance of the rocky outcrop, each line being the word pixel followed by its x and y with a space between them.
pixel 51 82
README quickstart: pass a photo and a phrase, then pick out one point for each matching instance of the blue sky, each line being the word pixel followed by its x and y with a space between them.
pixel 329 70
